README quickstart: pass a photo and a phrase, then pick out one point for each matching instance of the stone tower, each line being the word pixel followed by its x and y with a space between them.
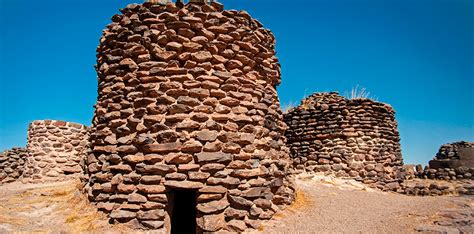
pixel 355 138
pixel 188 134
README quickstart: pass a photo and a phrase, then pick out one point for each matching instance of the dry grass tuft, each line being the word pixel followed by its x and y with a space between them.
pixel 359 93
pixel 288 107
pixel 302 200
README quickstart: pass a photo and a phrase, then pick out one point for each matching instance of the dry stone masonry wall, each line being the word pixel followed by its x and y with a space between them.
pixel 55 150
pixel 453 161
pixel 355 138
pixel 187 101
pixel 12 164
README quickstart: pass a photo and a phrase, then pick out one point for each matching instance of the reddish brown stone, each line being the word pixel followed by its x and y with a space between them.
pixel 162 148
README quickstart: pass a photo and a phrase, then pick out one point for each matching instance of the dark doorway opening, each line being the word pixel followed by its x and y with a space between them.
pixel 183 214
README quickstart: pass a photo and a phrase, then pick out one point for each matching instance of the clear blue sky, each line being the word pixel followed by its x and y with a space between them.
pixel 416 55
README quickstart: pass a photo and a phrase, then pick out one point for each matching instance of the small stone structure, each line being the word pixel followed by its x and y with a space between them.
pixel 12 164
pixel 453 161
pixel 355 138
pixel 55 150
pixel 188 133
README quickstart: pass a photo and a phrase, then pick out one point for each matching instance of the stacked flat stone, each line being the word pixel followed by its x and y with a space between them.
pixel 12 164
pixel 187 100
pixel 55 150
pixel 355 138
pixel 423 187
pixel 453 161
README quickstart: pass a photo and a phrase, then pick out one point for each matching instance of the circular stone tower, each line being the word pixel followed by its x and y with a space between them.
pixel 355 138
pixel 188 132
pixel 55 151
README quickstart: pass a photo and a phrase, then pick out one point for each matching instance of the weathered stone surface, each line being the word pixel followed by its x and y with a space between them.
pixel 122 214
pixel 156 179
pixel 206 135
pixel 209 197
pixel 184 184
pixel 192 146
pixel 134 158
pixel 213 206
pixel 136 198
pixel 213 189
pixel 232 213
pixel 151 189
pixel 151 215
pixel 198 175
pixel 153 224
pixel 162 148
pixel 178 158
pixel 219 157
pixel 239 202
pixel 236 225
pixel 201 56
pixel 211 223
pixel 159 168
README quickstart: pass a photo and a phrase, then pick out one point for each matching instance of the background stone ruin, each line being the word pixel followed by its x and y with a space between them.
pixel 55 149
pixel 355 138
pixel 12 164
pixel 453 161
pixel 358 138
pixel 188 120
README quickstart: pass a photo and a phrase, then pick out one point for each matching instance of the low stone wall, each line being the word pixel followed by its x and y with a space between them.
pixel 350 138
pixel 453 161
pixel 426 187
pixel 12 164
pixel 55 150
pixel 446 173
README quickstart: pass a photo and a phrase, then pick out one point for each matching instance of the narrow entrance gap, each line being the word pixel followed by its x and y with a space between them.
pixel 183 215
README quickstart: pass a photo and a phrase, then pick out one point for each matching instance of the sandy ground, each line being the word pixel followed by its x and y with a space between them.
pixel 49 208
pixel 337 206
pixel 323 206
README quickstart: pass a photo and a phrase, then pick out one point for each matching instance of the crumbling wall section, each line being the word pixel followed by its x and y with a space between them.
pixel 12 164
pixel 453 161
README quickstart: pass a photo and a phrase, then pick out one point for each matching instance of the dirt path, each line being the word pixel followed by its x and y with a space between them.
pixel 322 207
